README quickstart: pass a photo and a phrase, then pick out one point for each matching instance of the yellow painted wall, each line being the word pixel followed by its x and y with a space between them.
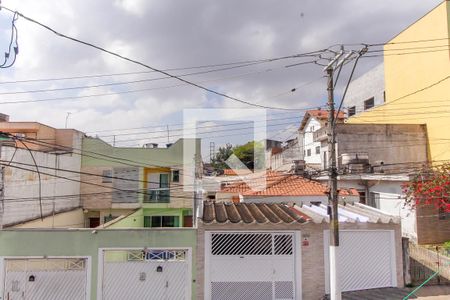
pixel 69 219
pixel 418 84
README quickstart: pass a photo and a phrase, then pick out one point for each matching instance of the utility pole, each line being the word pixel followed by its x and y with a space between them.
pixel 335 289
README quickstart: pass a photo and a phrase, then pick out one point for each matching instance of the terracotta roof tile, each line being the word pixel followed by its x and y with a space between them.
pixel 282 184
pixel 319 114
pixel 220 212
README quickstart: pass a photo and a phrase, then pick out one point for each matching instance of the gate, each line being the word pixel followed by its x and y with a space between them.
pixel 146 274
pixel 45 279
pixel 251 265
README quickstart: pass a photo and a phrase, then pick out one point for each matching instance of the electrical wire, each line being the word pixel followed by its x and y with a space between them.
pixel 125 58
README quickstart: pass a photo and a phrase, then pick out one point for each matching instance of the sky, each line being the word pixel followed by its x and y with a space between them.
pixel 170 34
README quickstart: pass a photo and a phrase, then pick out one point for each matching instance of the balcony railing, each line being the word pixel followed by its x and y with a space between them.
pixel 161 195
pixel 320 134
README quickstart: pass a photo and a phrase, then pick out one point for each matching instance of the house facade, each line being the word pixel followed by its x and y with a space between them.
pixel 365 92
pixel 260 250
pixel 36 161
pixel 312 121
pixel 142 186
pixel 417 82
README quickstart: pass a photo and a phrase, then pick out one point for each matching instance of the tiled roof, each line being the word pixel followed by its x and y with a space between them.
pixel 279 213
pixel 283 184
pixel 267 178
pixel 227 212
pixel 320 115
pixel 348 213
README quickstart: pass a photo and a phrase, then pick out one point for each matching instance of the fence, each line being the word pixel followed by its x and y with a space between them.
pixel 424 262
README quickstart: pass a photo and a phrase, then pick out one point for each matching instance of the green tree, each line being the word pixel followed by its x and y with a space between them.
pixel 218 161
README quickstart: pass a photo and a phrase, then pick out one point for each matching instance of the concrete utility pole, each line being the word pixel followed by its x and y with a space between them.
pixel 335 290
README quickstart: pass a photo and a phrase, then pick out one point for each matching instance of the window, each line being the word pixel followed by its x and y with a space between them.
pixel 369 103
pixel 384 96
pixel 374 200
pixel 318 150
pixel 107 176
pixel 351 111
pixel 94 222
pixel 176 176
pixel 362 196
pixel 161 221
pixel 308 152
pixel 325 160
pixel 311 129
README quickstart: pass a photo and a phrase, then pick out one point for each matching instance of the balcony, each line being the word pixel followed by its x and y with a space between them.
pixel 320 135
pixel 161 195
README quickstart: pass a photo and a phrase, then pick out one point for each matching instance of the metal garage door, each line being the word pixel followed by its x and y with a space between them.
pixel 45 279
pixel 366 260
pixel 146 274
pixel 251 265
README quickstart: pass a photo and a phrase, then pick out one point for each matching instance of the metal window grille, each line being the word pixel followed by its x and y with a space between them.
pixel 241 244
pixel 283 244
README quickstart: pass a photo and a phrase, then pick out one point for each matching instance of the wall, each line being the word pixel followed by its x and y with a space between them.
pixel 418 85
pixel 130 220
pixel 430 229
pixel 309 143
pixel 393 144
pixel 21 187
pixel 103 156
pixel 85 243
pixel 69 219
pixel 313 265
pixel 370 84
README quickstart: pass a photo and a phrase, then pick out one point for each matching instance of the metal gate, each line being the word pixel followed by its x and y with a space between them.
pixel 45 279
pixel 366 259
pixel 146 274
pixel 251 266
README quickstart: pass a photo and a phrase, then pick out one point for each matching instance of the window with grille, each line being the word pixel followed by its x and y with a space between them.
pixel 318 150
pixel 351 111
pixel 369 103
pixel 251 244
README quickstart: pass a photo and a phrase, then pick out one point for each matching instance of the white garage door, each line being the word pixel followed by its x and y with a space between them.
pixel 146 274
pixel 366 260
pixel 251 266
pixel 45 279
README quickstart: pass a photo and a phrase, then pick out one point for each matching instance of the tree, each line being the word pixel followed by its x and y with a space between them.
pixel 245 153
pixel 218 161
pixel 430 186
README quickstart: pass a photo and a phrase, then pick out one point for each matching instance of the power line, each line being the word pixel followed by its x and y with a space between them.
pixel 126 82
pixel 259 61
pixel 153 68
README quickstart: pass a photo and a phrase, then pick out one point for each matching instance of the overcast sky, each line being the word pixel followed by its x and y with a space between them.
pixel 176 34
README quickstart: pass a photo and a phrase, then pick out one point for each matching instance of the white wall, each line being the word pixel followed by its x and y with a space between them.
pixel 21 187
pixel 308 141
pixel 390 201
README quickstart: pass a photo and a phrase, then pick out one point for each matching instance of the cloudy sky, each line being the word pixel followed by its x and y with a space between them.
pixel 182 35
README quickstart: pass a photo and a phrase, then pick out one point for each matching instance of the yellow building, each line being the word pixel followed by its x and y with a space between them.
pixel 417 81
